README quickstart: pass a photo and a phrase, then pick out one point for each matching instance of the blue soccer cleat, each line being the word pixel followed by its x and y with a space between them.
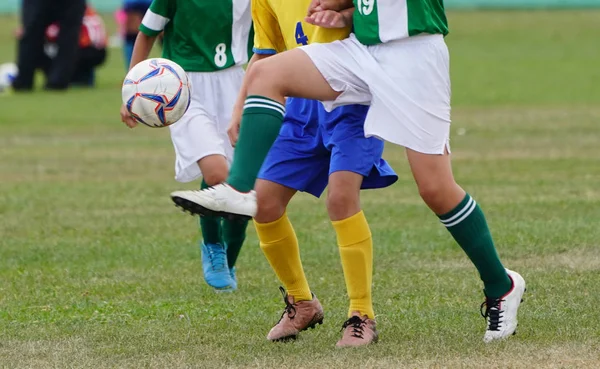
pixel 233 278
pixel 214 264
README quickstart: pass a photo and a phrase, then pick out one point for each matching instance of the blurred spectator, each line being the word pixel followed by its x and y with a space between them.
pixel 134 13
pixel 37 15
pixel 91 52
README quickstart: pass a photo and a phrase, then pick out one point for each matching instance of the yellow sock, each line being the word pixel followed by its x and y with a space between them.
pixel 279 243
pixel 356 251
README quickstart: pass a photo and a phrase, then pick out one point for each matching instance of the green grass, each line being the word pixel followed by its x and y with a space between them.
pixel 99 270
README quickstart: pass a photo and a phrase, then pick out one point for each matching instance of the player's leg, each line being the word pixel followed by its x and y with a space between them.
pixel 279 243
pixel 296 162
pixel 355 163
pixel 288 74
pixel 214 170
pixel 221 95
pixel 217 271
pixel 433 174
pixel 291 73
pixel 465 220
pixel 411 107
pixel 234 236
pixel 278 239
pixel 199 153
pixel 355 245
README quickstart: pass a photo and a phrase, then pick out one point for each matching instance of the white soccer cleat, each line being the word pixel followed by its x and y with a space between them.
pixel 501 313
pixel 220 200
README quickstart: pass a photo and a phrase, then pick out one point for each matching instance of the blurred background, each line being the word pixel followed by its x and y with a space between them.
pixel 99 270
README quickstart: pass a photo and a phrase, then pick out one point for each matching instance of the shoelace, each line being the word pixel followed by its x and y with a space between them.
pixel 289 309
pixel 492 313
pixel 358 326
pixel 217 256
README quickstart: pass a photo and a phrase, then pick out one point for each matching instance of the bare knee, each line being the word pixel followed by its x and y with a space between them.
pixel 439 196
pixel 214 178
pixel 263 79
pixel 214 169
pixel 342 204
pixel 269 208
pixel 255 74
pixel 272 200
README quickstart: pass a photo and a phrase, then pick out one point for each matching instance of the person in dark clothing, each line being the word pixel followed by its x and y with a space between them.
pixel 91 51
pixel 37 15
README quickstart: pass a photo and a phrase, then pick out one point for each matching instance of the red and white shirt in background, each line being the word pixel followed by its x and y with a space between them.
pixel 93 31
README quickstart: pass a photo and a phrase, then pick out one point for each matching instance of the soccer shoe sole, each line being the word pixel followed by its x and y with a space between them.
pixel 375 340
pixel 225 290
pixel 195 209
pixel 293 337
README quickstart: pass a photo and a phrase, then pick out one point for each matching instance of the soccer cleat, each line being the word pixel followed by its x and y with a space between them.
pixel 296 317
pixel 214 264
pixel 358 331
pixel 501 313
pixel 220 200
pixel 233 276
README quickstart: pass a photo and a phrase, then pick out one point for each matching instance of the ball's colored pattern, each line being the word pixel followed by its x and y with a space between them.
pixel 156 92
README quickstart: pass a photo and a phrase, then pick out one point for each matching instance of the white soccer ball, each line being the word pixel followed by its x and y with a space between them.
pixel 156 92
pixel 8 73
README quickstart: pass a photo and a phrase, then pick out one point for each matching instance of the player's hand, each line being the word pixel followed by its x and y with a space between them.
pixel 127 118
pixel 320 5
pixel 233 131
pixel 327 19
pixel 315 6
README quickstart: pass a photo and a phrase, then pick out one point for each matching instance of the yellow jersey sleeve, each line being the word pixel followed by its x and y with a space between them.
pixel 267 33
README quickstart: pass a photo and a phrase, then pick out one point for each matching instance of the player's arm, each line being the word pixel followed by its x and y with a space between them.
pixel 331 19
pixel 153 24
pixel 236 117
pixel 141 51
pixel 336 5
pixel 141 48
pixel 267 41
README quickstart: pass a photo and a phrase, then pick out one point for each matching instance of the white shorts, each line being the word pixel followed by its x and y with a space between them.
pixel 406 83
pixel 202 130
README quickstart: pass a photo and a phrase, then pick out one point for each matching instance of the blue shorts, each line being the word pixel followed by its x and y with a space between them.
pixel 136 6
pixel 313 143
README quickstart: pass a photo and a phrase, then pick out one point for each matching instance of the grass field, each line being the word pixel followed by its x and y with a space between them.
pixel 99 270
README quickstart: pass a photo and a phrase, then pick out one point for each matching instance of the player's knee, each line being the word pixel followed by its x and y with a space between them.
pixel 262 78
pixel 255 74
pixel 433 193
pixel 269 208
pixel 342 204
pixel 214 178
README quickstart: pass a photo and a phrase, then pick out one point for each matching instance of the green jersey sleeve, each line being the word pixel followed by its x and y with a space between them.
pixel 157 17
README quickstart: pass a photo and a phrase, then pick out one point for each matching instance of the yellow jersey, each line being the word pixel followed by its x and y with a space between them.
pixel 279 25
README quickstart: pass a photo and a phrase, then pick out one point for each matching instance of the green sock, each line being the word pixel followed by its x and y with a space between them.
pixel 261 122
pixel 469 228
pixel 210 226
pixel 234 234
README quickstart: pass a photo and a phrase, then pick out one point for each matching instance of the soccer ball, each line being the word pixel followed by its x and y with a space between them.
pixel 8 73
pixel 156 92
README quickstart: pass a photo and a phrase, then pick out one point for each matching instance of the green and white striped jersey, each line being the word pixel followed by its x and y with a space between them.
pixel 379 21
pixel 202 35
